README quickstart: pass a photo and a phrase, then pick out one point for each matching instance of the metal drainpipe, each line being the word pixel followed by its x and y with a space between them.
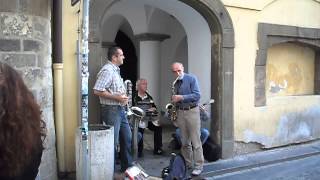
pixel 58 82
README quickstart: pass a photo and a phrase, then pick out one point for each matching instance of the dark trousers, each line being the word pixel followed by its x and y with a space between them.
pixel 157 137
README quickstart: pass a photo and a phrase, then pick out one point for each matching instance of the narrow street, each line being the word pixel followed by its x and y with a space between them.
pixel 301 169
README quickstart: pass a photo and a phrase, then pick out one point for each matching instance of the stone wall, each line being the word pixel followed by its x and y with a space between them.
pixel 25 44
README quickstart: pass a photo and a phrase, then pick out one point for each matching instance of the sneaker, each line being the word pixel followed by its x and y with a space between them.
pixel 158 152
pixel 196 172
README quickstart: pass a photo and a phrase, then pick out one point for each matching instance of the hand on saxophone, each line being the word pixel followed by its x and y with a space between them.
pixel 176 98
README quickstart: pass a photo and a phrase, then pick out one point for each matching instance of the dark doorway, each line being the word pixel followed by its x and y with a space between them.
pixel 129 67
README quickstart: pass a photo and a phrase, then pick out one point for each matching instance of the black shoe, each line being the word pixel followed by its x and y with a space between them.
pixel 158 152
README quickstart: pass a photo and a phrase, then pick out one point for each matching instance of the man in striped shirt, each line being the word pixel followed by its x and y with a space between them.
pixel 112 94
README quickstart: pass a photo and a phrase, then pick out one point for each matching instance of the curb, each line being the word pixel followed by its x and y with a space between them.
pixel 260 159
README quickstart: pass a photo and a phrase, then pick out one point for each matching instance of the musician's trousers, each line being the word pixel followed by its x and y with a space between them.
pixel 157 137
pixel 114 115
pixel 189 123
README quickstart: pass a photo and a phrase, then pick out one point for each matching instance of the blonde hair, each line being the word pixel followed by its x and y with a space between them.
pixel 139 81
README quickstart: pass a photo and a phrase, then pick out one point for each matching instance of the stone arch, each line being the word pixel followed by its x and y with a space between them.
pixel 222 50
pixel 271 34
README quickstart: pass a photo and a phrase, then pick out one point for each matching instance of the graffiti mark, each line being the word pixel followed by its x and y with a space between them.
pixel 276 88
pixel 289 82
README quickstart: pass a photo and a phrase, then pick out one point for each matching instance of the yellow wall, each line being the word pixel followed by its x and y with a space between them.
pixel 261 124
pixel 290 70
pixel 247 4
pixel 70 78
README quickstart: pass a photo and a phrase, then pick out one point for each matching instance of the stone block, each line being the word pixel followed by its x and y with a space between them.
pixel 35 7
pixel 20 60
pixel 44 60
pixel 30 76
pixel 32 45
pixel 9 6
pixel 9 45
pixel 260 97
pixel 261 58
pixel 16 25
pixel 41 28
pixel 45 97
pixel 260 76
pixel 228 38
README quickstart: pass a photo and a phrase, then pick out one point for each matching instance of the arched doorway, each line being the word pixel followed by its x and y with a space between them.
pixel 222 45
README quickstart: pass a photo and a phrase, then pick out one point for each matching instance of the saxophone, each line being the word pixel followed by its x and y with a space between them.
pixel 134 114
pixel 132 110
pixel 171 107
pixel 128 86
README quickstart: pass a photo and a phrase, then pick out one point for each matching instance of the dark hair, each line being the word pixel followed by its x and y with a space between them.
pixel 21 128
pixel 112 51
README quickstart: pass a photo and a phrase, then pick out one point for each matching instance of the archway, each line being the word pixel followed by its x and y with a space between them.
pixel 222 47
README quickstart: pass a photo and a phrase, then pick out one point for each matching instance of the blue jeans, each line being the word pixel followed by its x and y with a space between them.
pixel 114 115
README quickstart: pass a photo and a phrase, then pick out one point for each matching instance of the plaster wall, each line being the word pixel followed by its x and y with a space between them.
pixel 150 59
pixel 283 120
pixel 70 81
pixel 290 70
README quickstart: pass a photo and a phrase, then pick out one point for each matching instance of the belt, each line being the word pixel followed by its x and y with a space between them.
pixel 108 105
pixel 187 108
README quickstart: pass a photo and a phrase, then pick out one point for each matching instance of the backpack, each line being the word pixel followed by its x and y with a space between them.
pixel 177 169
pixel 211 150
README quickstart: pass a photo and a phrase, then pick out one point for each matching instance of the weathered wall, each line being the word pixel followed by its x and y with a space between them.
pixel 25 43
pixel 284 119
pixel 290 70
pixel 70 80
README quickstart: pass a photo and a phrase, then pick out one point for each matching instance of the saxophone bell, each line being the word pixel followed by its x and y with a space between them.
pixel 138 112
pixel 169 106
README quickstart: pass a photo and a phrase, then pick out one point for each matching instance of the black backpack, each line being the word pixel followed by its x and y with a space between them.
pixel 177 169
pixel 211 150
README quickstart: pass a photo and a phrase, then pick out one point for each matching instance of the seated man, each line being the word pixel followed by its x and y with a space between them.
pixel 204 134
pixel 151 119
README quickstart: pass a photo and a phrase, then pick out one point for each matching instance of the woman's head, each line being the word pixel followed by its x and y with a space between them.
pixel 21 126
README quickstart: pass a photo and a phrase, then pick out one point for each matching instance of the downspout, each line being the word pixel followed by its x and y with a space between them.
pixel 58 82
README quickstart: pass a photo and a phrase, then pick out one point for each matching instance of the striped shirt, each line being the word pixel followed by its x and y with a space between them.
pixel 109 79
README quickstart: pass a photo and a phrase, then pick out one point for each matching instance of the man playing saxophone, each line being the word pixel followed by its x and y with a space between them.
pixel 186 99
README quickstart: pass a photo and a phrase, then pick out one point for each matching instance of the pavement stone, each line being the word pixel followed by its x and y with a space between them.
pixel 263 158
